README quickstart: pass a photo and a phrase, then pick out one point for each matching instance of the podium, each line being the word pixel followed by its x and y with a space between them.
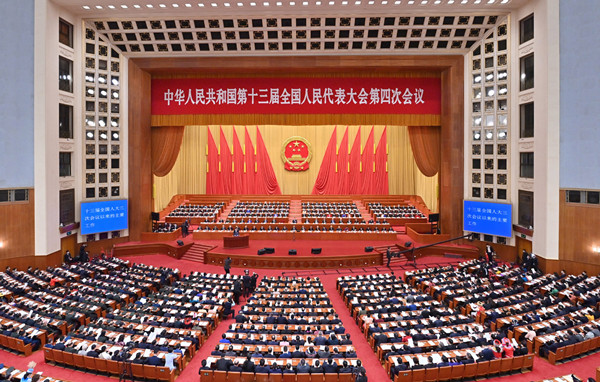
pixel 242 241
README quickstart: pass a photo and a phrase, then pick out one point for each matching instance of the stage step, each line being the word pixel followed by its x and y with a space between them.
pixel 295 211
pixel 227 210
pixel 363 210
pixel 196 253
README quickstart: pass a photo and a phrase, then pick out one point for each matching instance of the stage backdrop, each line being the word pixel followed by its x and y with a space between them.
pixel 188 175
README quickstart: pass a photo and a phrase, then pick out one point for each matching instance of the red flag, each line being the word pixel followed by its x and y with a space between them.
pixel 212 166
pixel 343 177
pixel 325 182
pixel 238 184
pixel 367 165
pixel 381 184
pixel 266 181
pixel 354 185
pixel 249 161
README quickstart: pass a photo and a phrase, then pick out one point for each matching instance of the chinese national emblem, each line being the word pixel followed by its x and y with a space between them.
pixel 296 154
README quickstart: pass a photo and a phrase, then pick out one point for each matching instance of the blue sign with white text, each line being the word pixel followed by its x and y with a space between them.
pixel 488 218
pixel 105 216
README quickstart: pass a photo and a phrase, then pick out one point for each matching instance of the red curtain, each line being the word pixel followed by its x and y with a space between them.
pixel 212 167
pixel 368 169
pixel 226 161
pixel 354 185
pixel 326 178
pixel 380 183
pixel 266 181
pixel 238 185
pixel 343 175
pixel 425 143
pixel 166 142
pixel 249 162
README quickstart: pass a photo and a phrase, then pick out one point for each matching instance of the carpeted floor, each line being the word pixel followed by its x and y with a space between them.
pixel 584 367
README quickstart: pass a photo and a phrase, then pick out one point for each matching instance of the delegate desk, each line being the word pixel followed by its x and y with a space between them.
pixel 242 241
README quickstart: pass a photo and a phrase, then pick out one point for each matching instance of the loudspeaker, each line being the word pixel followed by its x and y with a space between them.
pixel 261 252
pixel 269 250
pixel 155 216
pixel 368 249
pixel 315 251
pixel 180 243
pixel 408 244
pixel 292 252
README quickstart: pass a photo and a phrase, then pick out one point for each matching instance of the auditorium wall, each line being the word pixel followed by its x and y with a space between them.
pixel 188 175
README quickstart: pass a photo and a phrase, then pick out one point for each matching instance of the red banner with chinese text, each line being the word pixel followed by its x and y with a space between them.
pixel 296 96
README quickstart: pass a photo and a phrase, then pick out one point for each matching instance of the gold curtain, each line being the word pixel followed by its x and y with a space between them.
pixel 188 175
pixel 166 142
pixel 425 143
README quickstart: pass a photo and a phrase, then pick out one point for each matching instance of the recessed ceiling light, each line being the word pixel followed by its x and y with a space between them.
pixel 411 2
pixel 292 3
pixel 384 2
pixel 464 1
pixel 397 2
pixel 253 4
pixel 357 2
pixel 266 3
pixel 150 5
pixel 240 4
pixel 98 6
pixel 371 2
pixel 175 5
pixel 213 4
pixel 279 3
pixel 200 5
pixel 491 1
pixel 504 1
pixel 344 2
pixel 136 6
pixel 188 5
pixel 305 3
pixel 437 1
pixel 111 6
pixel 332 3
pixel 227 4
pixel 318 3
pixel 123 6
pixel 86 7
pixel 162 5
pixel 450 1
pixel 477 1
pixel 424 2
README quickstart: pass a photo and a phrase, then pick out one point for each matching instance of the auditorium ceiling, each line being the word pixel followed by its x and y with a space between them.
pixel 155 28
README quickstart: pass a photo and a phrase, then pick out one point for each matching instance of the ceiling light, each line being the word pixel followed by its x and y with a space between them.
pixel 136 6
pixel 188 5
pixel 292 3
pixel 477 1
pixel 357 2
pixel 423 2
pixel 113 123
pixel 266 3
pixel 411 2
pixel 102 124
pixel 344 2
pixel 103 135
pixel 90 134
pixel 149 5
pixel 86 7
pixel 305 3
pixel 213 4
pixel 98 6
pixel 477 135
pixel 437 1
pixel 279 3
pixel 371 2
pixel 123 6
pixel 1 244
pixel 253 4
pixel 397 2
pixel 489 135
pixel 227 4
pixel 90 91
pixel 111 6
pixel 162 5
pixel 504 1
pixel 200 5
pixel 115 135
pixel 502 134
pixel 491 1
pixel 331 2
pixel 240 4
pixel 464 1
pixel 450 1
pixel 384 2
pixel 175 5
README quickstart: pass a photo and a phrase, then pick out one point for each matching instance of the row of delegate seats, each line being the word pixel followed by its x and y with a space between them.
pixel 226 376
pixel 198 210
pixel 108 367
pixel 10 373
pixel 384 211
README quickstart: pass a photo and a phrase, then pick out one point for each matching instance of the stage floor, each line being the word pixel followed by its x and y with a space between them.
pixel 303 247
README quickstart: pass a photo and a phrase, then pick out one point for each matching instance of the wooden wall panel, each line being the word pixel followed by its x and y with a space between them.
pixel 579 233
pixel 16 231
pixel 449 68
pixel 139 150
